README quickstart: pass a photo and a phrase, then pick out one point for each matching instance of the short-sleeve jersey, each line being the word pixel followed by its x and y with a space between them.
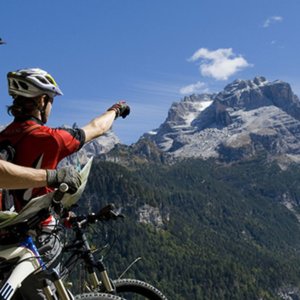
pixel 41 148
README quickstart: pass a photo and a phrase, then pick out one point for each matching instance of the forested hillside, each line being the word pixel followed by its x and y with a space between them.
pixel 225 233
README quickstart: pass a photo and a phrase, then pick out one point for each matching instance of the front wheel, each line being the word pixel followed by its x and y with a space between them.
pixel 136 289
pixel 97 296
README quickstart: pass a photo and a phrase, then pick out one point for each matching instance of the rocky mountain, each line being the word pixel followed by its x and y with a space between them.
pixel 97 147
pixel 248 116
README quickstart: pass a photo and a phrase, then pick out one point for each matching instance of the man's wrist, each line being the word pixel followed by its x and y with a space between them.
pixel 115 110
pixel 51 177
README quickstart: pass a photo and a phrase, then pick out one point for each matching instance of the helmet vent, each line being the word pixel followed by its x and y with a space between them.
pixel 50 79
pixel 41 79
pixel 14 83
pixel 23 85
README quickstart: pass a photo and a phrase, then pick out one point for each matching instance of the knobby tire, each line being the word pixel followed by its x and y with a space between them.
pixel 97 296
pixel 131 287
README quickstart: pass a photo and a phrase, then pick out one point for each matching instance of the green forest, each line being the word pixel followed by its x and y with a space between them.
pixel 225 233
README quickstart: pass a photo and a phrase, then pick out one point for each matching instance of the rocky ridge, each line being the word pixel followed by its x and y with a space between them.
pixel 97 147
pixel 248 116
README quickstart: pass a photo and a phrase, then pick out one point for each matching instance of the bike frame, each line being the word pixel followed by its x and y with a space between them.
pixel 98 279
pixel 91 263
pixel 28 262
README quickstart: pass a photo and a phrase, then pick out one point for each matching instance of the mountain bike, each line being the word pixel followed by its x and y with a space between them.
pixel 20 258
pixel 79 249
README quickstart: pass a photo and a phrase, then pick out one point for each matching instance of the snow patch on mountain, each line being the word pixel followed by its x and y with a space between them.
pixel 191 115
pixel 246 117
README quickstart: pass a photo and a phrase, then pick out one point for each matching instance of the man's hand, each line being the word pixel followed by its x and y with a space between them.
pixel 121 109
pixel 67 175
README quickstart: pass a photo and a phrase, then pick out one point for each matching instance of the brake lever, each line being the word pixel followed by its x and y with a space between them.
pixel 115 215
pixel 108 212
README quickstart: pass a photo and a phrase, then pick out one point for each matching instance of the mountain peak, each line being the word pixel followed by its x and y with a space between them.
pixel 247 117
pixel 259 92
pixel 240 85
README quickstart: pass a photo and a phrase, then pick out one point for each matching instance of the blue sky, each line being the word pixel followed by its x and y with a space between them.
pixel 150 53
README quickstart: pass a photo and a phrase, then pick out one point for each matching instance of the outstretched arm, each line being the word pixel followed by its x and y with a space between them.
pixel 16 177
pixel 103 123
pixel 99 125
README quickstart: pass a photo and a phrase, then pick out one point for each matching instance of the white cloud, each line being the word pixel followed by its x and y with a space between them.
pixel 198 87
pixel 219 64
pixel 272 20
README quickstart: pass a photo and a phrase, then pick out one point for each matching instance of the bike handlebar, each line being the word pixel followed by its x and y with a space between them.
pixel 105 214
pixel 59 193
pixel 57 197
pixel 108 212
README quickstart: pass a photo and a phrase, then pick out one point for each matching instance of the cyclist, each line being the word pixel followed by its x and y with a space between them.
pixel 33 92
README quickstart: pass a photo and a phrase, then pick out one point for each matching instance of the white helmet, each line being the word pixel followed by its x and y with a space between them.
pixel 31 83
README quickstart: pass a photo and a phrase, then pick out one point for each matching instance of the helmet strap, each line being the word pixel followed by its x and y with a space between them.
pixel 42 111
pixel 43 117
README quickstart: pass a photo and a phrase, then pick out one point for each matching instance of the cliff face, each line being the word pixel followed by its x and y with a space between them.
pixel 246 117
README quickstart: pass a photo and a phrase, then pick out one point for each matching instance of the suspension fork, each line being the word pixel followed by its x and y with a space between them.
pixel 104 276
pixel 59 286
pixel 93 265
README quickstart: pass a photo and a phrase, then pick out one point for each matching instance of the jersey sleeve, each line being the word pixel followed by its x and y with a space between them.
pixel 46 147
pixel 69 140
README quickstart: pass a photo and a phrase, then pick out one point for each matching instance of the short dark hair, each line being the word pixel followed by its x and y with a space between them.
pixel 22 106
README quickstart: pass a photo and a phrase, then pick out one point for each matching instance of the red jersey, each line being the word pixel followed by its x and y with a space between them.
pixel 41 148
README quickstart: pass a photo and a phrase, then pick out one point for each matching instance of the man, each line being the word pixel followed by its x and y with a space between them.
pixel 16 177
pixel 36 145
pixel 39 146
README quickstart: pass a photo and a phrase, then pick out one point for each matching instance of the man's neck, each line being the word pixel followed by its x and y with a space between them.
pixel 26 118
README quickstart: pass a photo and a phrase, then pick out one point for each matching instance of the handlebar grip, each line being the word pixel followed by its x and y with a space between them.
pixel 105 211
pixel 108 212
pixel 59 193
